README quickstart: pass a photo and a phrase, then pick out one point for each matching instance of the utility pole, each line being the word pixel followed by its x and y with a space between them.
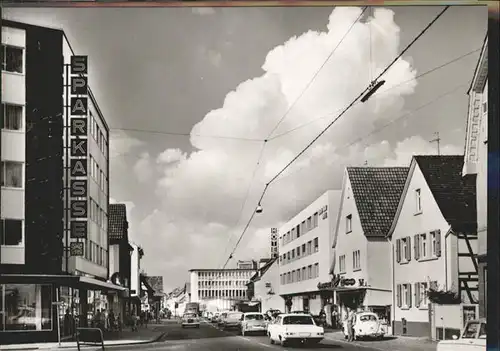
pixel 437 140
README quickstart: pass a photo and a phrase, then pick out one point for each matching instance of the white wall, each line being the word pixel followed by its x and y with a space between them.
pixel 324 234
pixel 408 224
pixel 114 259
pixel 193 275
pixel 262 293
pixel 14 145
pixel 135 268
pixel 482 177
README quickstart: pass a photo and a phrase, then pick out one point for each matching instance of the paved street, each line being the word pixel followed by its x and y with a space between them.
pixel 209 337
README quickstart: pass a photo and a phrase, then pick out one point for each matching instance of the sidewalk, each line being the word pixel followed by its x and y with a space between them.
pixel 126 337
pixel 394 343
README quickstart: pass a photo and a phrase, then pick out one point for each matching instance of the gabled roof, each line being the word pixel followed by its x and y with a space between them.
pixel 156 282
pixel 261 271
pixel 377 191
pixel 455 195
pixel 117 222
pixel 481 71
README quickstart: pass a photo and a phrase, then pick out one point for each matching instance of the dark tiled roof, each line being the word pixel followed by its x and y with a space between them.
pixel 261 271
pixel 156 282
pixel 377 191
pixel 117 222
pixel 455 195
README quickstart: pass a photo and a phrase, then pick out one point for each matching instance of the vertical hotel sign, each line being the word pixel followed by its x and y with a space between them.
pixel 78 154
pixel 274 242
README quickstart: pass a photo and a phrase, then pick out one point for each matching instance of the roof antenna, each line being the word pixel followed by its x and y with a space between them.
pixel 437 140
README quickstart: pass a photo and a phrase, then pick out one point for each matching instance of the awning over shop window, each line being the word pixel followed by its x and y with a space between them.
pixel 96 284
pixel 67 280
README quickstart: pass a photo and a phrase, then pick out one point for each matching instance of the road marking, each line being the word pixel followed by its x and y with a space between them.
pixel 357 344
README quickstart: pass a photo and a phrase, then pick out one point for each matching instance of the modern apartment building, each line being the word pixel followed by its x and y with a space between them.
pixel 476 160
pixel 219 289
pixel 305 253
pixel 37 155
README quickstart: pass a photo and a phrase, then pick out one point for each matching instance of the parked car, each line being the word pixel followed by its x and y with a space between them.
pixel 215 317
pixel 294 327
pixel 366 325
pixel 253 322
pixel 473 338
pixel 190 320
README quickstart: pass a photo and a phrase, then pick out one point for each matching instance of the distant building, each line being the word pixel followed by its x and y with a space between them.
pixel 247 264
pixel 476 160
pixel 135 280
pixel 263 287
pixel 220 289
pixel 305 254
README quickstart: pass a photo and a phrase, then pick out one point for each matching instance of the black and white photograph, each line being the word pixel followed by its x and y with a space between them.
pixel 244 177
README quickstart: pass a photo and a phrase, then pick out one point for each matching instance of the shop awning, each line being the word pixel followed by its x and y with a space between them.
pixel 38 279
pixel 100 285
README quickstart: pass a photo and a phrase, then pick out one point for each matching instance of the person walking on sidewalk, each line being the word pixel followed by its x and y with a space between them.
pixel 350 325
pixel 134 320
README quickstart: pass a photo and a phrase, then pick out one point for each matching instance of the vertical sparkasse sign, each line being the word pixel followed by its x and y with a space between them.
pixel 78 157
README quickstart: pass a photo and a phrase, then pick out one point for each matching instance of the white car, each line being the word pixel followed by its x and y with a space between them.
pixel 253 322
pixel 288 328
pixel 473 338
pixel 366 325
pixel 190 320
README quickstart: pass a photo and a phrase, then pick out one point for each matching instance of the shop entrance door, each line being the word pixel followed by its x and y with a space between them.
pixel 305 304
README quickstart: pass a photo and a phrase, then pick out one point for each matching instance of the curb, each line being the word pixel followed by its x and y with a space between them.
pixel 150 341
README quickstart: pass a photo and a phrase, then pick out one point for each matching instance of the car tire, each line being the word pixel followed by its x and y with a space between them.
pixel 271 341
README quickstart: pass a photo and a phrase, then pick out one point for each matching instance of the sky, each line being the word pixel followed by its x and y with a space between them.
pixel 191 95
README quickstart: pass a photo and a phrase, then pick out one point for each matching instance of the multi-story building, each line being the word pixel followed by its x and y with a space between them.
pixel 35 154
pixel 475 164
pixel 264 285
pixel 219 289
pixel 251 264
pixel 305 253
pixel 370 197
pixel 135 280
pixel 434 246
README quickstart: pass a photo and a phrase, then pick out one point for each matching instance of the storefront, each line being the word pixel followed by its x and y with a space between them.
pixel 33 307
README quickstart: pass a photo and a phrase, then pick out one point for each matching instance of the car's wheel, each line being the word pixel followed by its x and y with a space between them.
pixel 271 341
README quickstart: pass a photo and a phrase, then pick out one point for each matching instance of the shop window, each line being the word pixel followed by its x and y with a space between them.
pixel 26 307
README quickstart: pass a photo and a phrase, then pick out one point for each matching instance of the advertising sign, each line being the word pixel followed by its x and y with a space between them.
pixel 274 242
pixel 78 145
pixel 76 249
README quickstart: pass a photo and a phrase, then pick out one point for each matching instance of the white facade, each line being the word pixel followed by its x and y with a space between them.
pixel 95 261
pixel 219 289
pixel 13 155
pixel 305 252
pixel 424 255
pixel 266 289
pixel 360 257
pixel 135 280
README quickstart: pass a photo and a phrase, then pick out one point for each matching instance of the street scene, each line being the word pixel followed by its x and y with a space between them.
pixel 244 178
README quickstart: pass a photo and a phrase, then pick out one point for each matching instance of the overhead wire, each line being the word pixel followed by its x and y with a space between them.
pixel 336 119
pixel 292 105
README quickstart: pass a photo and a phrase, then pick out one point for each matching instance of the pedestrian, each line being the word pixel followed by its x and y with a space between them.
pixel 111 320
pixel 350 325
pixel 335 317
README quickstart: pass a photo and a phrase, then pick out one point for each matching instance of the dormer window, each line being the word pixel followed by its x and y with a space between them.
pixel 418 201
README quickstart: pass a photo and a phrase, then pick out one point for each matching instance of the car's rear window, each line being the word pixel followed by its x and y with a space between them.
pixel 300 320
pixel 189 315
pixel 234 315
pixel 254 317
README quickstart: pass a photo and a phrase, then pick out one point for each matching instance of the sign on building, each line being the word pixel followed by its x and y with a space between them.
pixel 274 242
pixel 78 153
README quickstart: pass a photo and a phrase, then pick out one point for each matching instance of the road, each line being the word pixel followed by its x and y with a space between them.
pixel 209 338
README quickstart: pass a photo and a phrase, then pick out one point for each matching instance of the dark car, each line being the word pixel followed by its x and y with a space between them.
pixel 232 321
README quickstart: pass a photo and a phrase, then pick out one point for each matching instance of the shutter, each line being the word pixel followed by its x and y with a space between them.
pixel 417 295
pixel 408 301
pixel 408 240
pixel 416 246
pixel 398 250
pixel 438 243
pixel 398 295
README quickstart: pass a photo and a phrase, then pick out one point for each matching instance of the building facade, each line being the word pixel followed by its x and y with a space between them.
pixel 370 196
pixel 434 242
pixel 219 289
pixel 251 264
pixel 135 280
pixel 305 253
pixel 35 146
pixel 476 156
pixel 263 287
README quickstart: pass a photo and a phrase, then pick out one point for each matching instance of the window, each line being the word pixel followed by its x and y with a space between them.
pixel 348 223
pixel 404 296
pixel 309 223
pixel 342 264
pixel 316 270
pixel 298 251
pixel 298 230
pixel 12 174
pixel 316 245
pixel 12 59
pixel 26 307
pixel 433 246
pixel 421 295
pixel 315 220
pixel 304 275
pixel 293 254
pixel 309 247
pixel 403 250
pixel 356 260
pixel 309 271
pixel 303 228
pixel 418 202
pixel 423 246
pixel 303 249
pixel 11 232
pixel 12 117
